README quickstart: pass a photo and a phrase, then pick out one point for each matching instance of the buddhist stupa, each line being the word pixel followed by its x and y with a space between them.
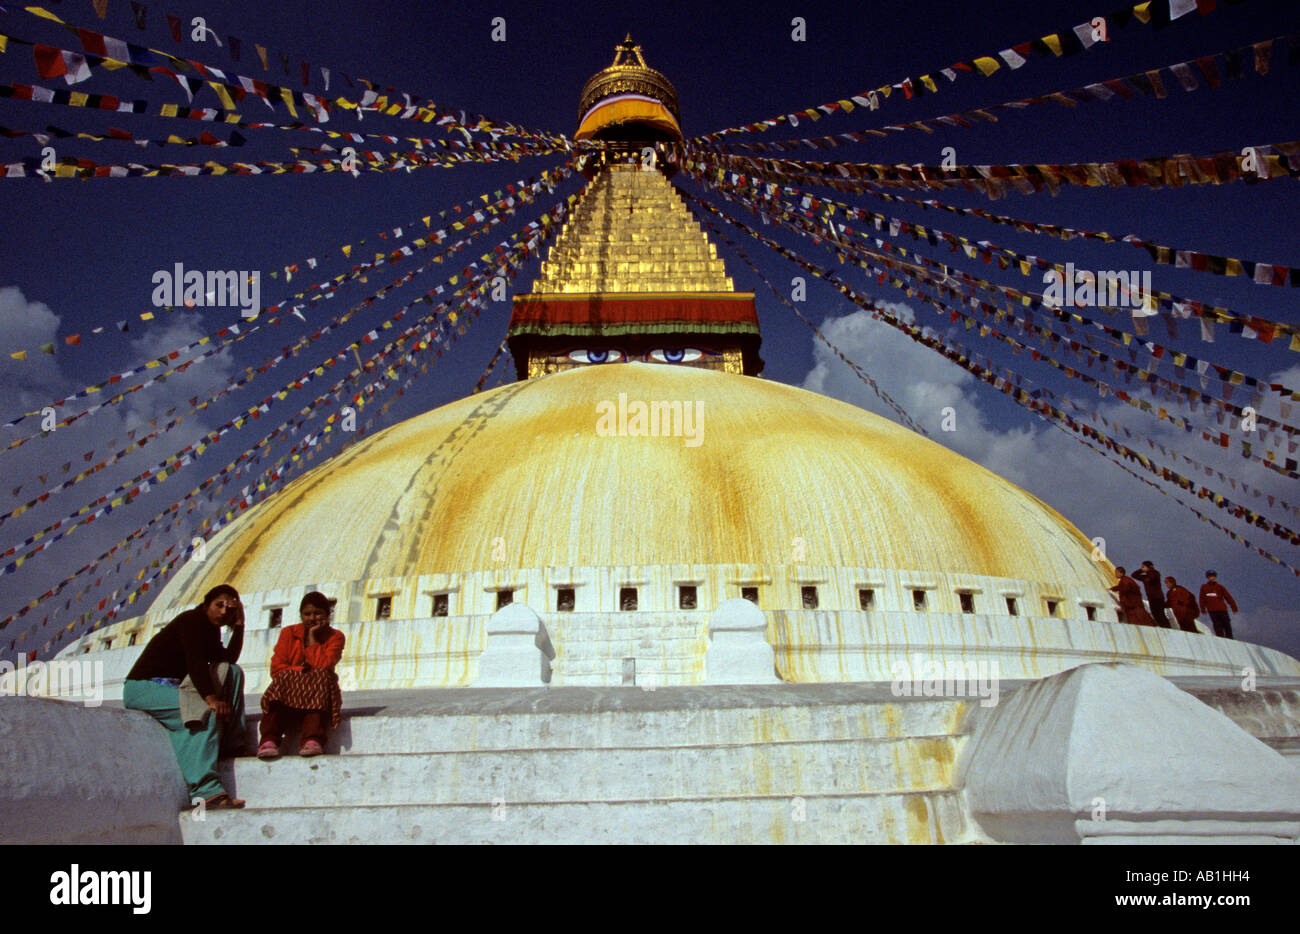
pixel 642 510
pixel 640 473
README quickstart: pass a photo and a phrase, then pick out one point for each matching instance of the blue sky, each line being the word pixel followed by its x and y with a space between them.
pixel 82 254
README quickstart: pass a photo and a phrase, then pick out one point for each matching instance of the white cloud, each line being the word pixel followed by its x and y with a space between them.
pixel 42 463
pixel 26 325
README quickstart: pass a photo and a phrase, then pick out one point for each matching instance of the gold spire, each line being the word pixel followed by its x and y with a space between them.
pixel 629 75
pixel 632 233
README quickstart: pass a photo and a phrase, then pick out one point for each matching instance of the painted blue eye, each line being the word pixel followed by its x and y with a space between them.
pixel 596 356
pixel 676 355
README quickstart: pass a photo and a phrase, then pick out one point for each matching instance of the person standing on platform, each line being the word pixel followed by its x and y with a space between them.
pixel 1150 579
pixel 1215 600
pixel 1183 602
pixel 1130 599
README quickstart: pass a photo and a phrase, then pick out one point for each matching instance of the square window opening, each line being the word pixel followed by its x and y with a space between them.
pixel 441 604
pixel 750 594
pixel 687 597
pixel 1052 606
pixel 918 599
pixel 275 618
pixel 627 598
pixel 1013 608
pixel 867 598
pixel 565 598
pixel 505 598
pixel 967 601
pixel 132 639
pixel 1091 612
pixel 809 596
pixel 383 608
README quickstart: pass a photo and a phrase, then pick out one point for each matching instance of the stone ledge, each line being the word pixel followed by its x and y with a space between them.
pixel 73 774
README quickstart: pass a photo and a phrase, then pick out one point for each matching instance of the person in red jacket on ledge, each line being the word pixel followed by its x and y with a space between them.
pixel 304 686
pixel 1215 600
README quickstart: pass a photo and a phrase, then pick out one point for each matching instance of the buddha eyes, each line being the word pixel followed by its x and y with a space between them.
pixel 675 355
pixel 596 356
pixel 662 355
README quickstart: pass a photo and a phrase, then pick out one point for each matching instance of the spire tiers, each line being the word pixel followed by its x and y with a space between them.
pixel 631 276
pixel 632 233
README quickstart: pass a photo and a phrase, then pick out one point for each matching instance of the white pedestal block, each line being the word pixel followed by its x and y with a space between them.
pixel 1116 754
pixel 519 650
pixel 738 651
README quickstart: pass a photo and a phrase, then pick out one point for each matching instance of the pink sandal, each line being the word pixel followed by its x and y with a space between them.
pixel 311 748
pixel 268 750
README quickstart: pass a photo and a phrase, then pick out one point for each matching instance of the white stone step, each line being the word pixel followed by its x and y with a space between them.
pixel 660 679
pixel 919 817
pixel 585 717
pixel 611 664
pixel 599 774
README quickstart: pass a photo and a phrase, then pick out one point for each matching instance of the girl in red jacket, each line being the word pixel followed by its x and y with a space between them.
pixel 304 687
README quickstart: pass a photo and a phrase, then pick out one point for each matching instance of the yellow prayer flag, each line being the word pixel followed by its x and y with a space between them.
pixel 347 251
pixel 1053 42
pixel 929 83
pixel 222 93
pixel 22 354
pixel 44 13
pixel 987 65
pixel 1142 11
pixel 846 106
pixel 4 43
pixel 168 110
pixel 78 98
pixel 146 316
pixel 287 97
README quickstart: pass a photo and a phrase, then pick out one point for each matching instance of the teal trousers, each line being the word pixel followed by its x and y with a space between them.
pixel 196 750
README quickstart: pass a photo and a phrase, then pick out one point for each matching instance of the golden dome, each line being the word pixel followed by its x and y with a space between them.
pixel 523 473
pixel 629 95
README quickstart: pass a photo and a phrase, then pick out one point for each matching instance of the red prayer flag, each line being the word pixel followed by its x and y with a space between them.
pixel 92 42
pixel 49 62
